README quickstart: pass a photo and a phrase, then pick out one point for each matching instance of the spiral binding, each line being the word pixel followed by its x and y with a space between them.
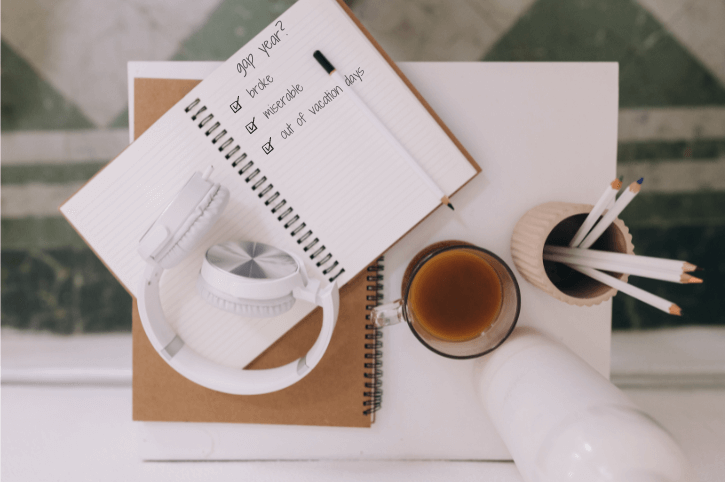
pixel 258 182
pixel 374 343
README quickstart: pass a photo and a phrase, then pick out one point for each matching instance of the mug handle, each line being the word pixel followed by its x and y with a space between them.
pixel 387 314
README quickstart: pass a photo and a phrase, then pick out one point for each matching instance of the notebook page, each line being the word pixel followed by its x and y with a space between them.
pixel 334 169
pixel 331 148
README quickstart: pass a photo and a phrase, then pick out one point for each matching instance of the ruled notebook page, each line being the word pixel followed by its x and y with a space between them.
pixel 329 165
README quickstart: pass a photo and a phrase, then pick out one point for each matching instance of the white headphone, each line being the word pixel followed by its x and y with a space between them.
pixel 247 278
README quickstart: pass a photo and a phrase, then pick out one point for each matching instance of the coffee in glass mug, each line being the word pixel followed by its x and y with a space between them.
pixel 459 300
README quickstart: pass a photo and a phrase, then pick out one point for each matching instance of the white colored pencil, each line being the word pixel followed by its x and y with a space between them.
pixel 616 267
pixel 614 199
pixel 633 291
pixel 330 69
pixel 607 196
pixel 672 265
pixel 612 214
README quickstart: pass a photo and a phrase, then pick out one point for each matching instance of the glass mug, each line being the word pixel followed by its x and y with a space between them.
pixel 459 300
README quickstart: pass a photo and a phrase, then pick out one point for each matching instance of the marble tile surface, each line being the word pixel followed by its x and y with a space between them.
pixel 663 9
pixel 694 22
pixel 81 46
pixel 452 30
pixel 671 123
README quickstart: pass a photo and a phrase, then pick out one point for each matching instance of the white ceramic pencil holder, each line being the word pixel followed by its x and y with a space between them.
pixel 555 223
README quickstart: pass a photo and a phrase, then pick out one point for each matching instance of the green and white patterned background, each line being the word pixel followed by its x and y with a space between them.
pixel 64 111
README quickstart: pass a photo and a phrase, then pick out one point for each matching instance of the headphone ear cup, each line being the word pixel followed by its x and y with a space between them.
pixel 199 222
pixel 246 308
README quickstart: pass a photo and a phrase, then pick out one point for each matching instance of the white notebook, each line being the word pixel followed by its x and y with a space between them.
pixel 307 171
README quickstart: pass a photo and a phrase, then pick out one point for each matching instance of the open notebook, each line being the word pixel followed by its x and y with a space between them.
pixel 306 170
pixel 343 388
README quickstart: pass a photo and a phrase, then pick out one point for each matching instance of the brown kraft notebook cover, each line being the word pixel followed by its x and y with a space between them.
pixel 333 394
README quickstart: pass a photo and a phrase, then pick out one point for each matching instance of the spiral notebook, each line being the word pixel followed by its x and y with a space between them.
pixel 343 390
pixel 306 170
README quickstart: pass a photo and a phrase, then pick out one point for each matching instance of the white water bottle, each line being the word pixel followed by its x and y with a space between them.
pixel 563 421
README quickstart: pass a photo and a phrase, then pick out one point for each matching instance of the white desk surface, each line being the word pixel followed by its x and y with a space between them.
pixel 540 132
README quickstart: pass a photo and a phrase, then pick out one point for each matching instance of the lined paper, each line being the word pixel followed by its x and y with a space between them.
pixel 333 168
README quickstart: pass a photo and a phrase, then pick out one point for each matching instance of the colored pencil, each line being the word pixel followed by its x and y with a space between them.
pixel 616 267
pixel 612 214
pixel 633 291
pixel 608 195
pixel 384 130
pixel 648 262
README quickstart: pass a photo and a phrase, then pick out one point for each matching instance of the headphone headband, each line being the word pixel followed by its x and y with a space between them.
pixel 244 277
pixel 226 379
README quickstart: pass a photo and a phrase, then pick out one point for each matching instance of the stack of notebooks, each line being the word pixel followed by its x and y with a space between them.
pixel 284 138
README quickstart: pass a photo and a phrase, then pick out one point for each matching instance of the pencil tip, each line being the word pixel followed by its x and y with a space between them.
pixel 620 178
pixel 694 280
pixel 451 206
pixel 640 181
pixel 699 269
